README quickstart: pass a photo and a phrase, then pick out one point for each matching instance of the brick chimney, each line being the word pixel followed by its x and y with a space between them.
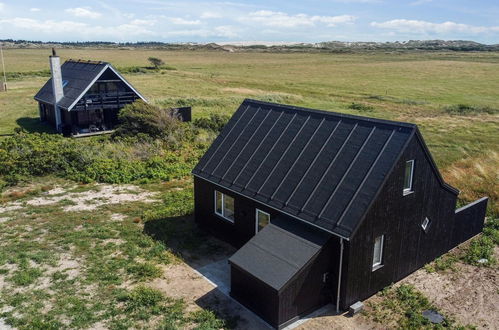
pixel 57 88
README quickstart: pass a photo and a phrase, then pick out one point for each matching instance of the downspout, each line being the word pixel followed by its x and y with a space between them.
pixel 339 277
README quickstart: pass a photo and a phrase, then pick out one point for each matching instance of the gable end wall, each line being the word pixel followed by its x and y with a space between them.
pixel 406 247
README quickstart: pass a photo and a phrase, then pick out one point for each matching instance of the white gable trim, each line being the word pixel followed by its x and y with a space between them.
pixel 97 77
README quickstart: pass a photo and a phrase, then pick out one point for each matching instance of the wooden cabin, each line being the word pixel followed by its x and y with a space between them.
pixel 324 207
pixel 84 97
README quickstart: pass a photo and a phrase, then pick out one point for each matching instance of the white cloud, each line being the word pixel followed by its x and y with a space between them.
pixel 34 10
pixel 149 22
pixel 181 21
pixel 77 30
pixel 415 26
pixel 280 19
pixel 226 31
pixel 219 32
pixel 83 12
pixel 210 14
pixel 2 6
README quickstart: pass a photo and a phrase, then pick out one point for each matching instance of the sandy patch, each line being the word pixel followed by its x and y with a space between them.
pixel 470 294
pixel 4 219
pixel 117 217
pixel 56 191
pixel 183 282
pixel 88 200
pixel 11 207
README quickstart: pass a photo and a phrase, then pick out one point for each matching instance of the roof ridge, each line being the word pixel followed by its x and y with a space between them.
pixel 333 113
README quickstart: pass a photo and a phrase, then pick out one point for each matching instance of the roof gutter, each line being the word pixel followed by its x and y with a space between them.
pixel 274 208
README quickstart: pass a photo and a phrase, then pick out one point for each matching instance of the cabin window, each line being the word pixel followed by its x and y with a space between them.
pixel 224 206
pixel 378 252
pixel 425 224
pixel 262 219
pixel 409 173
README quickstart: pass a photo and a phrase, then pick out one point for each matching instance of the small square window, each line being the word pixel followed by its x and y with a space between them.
pixel 224 206
pixel 378 252
pixel 425 224
pixel 408 176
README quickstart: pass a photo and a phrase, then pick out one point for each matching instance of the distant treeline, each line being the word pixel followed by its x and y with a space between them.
pixel 329 46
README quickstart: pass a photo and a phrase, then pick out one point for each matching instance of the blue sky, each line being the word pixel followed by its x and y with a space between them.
pixel 239 20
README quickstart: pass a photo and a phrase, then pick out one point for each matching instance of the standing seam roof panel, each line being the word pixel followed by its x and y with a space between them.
pixel 321 167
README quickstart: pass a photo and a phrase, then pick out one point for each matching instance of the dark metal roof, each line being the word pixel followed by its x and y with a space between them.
pixel 279 251
pixel 80 76
pixel 320 167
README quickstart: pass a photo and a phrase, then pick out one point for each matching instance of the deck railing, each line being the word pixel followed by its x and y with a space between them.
pixel 105 100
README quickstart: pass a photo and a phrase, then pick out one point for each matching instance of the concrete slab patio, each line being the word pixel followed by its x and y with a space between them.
pixel 218 275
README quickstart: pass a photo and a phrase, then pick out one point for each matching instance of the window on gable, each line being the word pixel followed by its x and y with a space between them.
pixel 408 176
pixel 224 206
pixel 378 252
pixel 425 224
pixel 262 219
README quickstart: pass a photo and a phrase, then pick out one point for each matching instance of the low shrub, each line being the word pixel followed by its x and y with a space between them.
pixel 143 271
pixel 215 122
pixel 466 109
pixel 361 107
pixel 102 160
pixel 207 320
pixel 480 248
pixel 141 297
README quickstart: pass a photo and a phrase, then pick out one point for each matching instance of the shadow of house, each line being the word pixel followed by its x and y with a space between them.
pixel 34 125
pixel 186 240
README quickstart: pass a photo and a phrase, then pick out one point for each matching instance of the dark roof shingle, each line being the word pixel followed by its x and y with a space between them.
pixel 321 167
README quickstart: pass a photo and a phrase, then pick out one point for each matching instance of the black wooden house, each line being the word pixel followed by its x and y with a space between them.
pixel 325 207
pixel 84 97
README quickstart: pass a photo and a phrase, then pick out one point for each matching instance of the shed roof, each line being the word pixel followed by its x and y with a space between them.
pixel 79 76
pixel 321 167
pixel 279 251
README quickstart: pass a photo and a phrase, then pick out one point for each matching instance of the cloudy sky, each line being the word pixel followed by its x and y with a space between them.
pixel 257 20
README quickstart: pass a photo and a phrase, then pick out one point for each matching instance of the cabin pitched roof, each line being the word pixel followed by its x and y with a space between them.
pixel 321 167
pixel 78 76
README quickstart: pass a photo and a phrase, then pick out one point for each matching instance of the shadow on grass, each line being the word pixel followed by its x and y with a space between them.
pixel 34 125
pixel 185 239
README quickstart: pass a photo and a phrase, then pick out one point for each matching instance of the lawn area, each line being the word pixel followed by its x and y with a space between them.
pixel 77 250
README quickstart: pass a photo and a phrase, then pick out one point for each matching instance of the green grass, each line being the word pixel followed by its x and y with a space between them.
pixel 401 307
pixel 110 264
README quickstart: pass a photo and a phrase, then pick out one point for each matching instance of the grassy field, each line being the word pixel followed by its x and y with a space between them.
pixel 409 87
pixel 53 242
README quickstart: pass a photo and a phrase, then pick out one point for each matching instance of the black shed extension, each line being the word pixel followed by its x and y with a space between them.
pixel 325 207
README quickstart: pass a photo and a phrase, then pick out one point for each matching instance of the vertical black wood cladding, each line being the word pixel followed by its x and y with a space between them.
pixel 255 295
pixel 469 221
pixel 407 247
pixel 307 291
pixel 244 226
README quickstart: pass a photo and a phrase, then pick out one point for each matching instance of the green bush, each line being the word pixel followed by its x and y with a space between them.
pixel 88 160
pixel 213 123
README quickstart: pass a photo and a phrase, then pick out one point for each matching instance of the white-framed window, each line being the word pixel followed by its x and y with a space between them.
pixel 261 219
pixel 408 176
pixel 425 223
pixel 378 252
pixel 224 206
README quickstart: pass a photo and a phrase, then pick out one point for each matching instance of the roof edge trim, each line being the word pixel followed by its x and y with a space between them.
pixel 88 87
pixel 381 186
pixel 428 155
pixel 339 114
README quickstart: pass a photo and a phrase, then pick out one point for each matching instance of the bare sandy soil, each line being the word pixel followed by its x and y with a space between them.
pixel 87 200
pixel 470 294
